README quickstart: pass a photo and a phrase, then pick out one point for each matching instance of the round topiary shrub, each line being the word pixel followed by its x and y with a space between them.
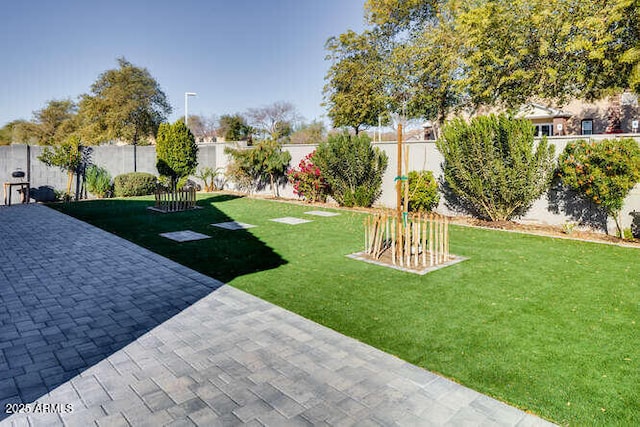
pixel 135 184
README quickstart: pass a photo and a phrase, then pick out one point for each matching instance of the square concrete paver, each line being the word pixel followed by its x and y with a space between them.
pixel 184 236
pixel 322 213
pixel 233 225
pixel 291 220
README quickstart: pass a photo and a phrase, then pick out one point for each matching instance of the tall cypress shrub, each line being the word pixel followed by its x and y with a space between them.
pixel 176 151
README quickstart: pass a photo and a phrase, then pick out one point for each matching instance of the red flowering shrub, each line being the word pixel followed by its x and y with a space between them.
pixel 308 181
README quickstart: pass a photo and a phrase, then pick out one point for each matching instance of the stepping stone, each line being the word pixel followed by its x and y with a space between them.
pixel 185 236
pixel 291 220
pixel 233 225
pixel 322 213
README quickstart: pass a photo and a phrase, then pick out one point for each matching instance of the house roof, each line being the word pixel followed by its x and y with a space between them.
pixel 538 111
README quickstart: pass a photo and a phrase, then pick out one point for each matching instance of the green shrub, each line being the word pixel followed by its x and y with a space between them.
pixel 603 172
pixel 176 151
pixel 423 191
pixel 255 166
pixel 493 164
pixel 353 169
pixel 134 184
pixel 99 181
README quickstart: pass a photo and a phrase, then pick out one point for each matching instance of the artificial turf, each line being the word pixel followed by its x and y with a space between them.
pixel 548 325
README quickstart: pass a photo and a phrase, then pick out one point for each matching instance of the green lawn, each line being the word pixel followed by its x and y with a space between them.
pixel 548 325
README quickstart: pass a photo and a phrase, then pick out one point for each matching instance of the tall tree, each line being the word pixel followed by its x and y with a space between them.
pixel 51 125
pixel 125 104
pixel 355 92
pixel 56 122
pixel 416 50
pixel 18 131
pixel 203 127
pixel 234 127
pixel 428 69
pixel 456 53
pixel 397 16
pixel 274 121
pixel 555 50
pixel 309 133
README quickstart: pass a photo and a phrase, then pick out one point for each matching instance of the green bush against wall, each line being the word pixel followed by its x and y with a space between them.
pixel 493 164
pixel 603 172
pixel 353 168
pixel 135 184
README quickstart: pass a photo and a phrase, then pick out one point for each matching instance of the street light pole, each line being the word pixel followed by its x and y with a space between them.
pixel 186 107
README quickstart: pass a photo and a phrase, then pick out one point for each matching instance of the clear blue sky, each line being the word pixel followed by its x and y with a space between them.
pixel 236 54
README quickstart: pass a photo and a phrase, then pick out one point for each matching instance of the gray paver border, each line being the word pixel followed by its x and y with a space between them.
pixel 361 256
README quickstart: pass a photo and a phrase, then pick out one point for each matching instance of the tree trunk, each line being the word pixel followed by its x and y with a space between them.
pixel 274 188
pixel 616 218
pixel 69 181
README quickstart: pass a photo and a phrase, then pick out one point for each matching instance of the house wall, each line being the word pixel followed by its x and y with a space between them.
pixel 599 113
pixel 556 207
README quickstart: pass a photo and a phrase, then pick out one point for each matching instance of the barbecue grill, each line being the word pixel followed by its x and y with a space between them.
pixel 22 186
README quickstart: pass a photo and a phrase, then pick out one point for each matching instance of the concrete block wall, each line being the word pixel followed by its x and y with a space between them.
pixel 555 207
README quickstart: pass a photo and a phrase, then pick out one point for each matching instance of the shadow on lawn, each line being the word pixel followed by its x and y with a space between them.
pixel 85 294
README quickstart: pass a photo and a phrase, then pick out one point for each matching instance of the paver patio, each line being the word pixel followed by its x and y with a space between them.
pixel 130 338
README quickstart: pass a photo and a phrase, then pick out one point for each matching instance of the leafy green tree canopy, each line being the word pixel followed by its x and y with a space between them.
pixel 445 55
pixel 55 122
pixel 18 131
pixel 355 90
pixel 516 50
pixel 125 104
pixel 309 133
pixel 51 125
pixel 234 128
pixel 68 156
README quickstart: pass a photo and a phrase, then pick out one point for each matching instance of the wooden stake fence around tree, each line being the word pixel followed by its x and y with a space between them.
pixel 404 235
pixel 422 240
pixel 175 200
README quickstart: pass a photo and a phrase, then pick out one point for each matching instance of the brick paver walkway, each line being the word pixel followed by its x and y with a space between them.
pixel 126 337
